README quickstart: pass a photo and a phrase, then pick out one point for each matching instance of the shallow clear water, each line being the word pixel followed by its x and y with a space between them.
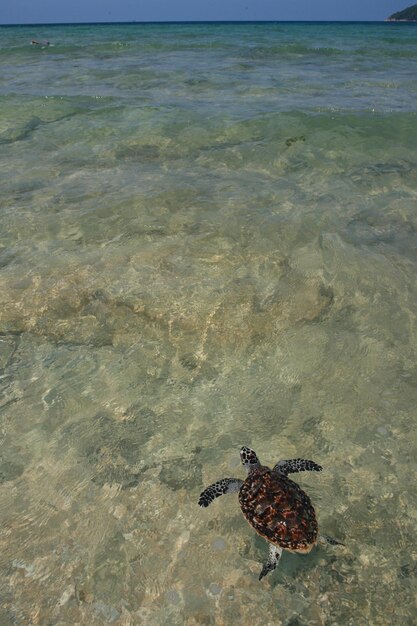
pixel 208 239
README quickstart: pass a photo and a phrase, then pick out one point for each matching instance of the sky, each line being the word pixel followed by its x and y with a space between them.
pixel 53 11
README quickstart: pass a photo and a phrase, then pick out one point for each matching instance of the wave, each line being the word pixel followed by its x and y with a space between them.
pixel 291 49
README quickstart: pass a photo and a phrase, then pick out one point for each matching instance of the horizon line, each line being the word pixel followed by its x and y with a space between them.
pixel 382 21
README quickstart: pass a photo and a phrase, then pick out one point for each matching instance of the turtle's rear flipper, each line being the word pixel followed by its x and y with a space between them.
pixel 225 485
pixel 330 540
pixel 272 561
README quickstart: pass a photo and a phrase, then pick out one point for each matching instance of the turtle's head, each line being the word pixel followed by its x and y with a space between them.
pixel 249 459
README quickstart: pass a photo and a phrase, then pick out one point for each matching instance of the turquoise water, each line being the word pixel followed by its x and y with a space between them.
pixel 208 240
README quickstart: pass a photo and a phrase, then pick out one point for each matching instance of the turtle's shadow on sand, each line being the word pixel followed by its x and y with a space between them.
pixel 292 567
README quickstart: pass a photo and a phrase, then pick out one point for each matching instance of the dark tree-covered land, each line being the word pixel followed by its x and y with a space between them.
pixel 407 15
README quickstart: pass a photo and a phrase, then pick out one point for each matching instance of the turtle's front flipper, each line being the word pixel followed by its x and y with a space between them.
pixel 225 485
pixel 272 561
pixel 292 466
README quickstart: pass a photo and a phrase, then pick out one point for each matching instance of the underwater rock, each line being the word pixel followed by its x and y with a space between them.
pixel 372 228
pixel 219 544
pixel 111 447
pixel 291 140
pixel 8 345
pixel 181 474
pixel 106 612
pixel 10 470
pixel 6 256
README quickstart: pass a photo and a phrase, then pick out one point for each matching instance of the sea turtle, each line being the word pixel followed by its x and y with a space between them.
pixel 277 508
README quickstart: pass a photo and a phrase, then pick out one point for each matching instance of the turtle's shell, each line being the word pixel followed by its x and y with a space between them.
pixel 279 510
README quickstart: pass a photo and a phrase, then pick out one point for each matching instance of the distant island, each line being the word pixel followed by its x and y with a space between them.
pixel 408 15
